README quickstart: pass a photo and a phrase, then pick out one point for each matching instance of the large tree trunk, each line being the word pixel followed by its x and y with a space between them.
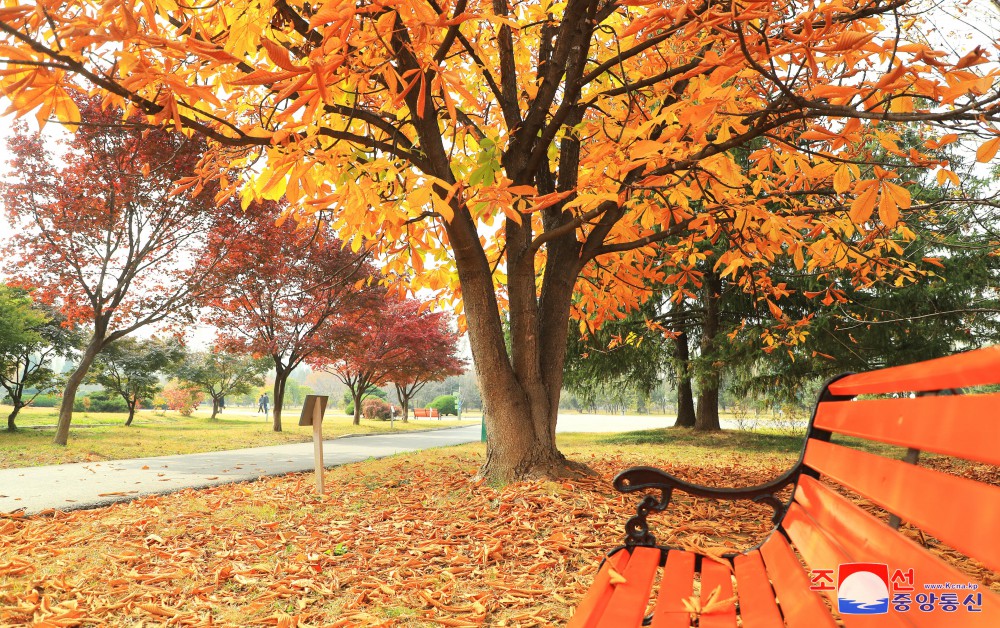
pixel 521 386
pixel 280 379
pixel 11 427
pixel 215 409
pixel 404 401
pixel 131 411
pixel 520 389
pixel 708 396
pixel 357 407
pixel 97 342
pixel 685 394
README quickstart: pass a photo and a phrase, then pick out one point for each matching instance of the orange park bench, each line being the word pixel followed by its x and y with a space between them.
pixel 860 569
pixel 426 413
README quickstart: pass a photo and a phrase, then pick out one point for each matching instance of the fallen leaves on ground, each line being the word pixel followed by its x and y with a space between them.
pixel 409 541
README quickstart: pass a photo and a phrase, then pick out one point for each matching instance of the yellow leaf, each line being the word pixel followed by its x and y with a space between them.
pixel 899 194
pixel 944 176
pixel 279 56
pixel 842 179
pixel 331 11
pixel 615 577
pixel 988 150
pixel 888 212
pixel 642 148
pixel 385 24
pixel 263 77
pixel 443 207
pixel 864 204
pixel 523 190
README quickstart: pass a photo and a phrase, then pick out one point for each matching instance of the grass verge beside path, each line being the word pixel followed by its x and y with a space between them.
pixel 407 541
pixel 103 436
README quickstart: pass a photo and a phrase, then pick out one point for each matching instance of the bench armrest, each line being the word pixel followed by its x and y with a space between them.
pixel 640 479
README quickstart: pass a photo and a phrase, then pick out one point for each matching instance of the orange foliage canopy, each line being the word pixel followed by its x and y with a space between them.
pixel 402 116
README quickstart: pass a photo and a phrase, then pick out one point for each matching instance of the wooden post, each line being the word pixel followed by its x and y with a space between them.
pixel 312 414
pixel 318 446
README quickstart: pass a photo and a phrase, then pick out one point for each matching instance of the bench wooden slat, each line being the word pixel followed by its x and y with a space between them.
pixel 627 606
pixel 677 584
pixel 866 539
pixel 589 611
pixel 964 370
pixel 714 575
pixel 801 607
pixel 955 425
pixel 822 552
pixel 937 502
pixel 758 608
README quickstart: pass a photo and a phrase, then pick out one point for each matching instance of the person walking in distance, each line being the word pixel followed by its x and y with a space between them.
pixel 264 403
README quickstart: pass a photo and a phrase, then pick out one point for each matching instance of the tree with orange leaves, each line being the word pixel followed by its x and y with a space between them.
pixel 547 159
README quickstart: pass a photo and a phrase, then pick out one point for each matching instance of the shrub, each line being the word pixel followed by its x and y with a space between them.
pixel 445 404
pixel 47 401
pixel 376 393
pixel 100 401
pixel 375 409
pixel 183 399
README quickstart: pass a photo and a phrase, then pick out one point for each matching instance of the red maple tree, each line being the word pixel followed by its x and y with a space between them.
pixel 361 350
pixel 282 289
pixel 429 354
pixel 101 234
pixel 402 343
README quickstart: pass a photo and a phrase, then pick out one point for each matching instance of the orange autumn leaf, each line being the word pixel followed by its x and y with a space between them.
pixel 988 150
pixel 864 204
pixel 615 577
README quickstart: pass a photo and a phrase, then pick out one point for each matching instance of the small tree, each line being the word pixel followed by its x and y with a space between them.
pixel 220 374
pixel 130 367
pixel 31 335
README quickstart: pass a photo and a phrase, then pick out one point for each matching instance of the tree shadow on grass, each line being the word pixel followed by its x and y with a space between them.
pixel 747 442
pixel 758 442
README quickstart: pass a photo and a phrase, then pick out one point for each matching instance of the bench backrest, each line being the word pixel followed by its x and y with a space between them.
pixel 919 407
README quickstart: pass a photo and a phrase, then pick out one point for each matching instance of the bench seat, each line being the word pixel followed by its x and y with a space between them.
pixel 784 580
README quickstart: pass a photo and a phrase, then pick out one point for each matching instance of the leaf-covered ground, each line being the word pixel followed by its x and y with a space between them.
pixel 406 541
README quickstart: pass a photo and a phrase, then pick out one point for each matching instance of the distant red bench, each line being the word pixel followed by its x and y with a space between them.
pixel 426 413
pixel 919 407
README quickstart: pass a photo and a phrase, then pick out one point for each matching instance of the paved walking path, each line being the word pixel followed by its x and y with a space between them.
pixel 92 484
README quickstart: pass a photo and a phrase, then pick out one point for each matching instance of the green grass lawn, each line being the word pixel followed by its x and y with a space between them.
pixel 103 436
